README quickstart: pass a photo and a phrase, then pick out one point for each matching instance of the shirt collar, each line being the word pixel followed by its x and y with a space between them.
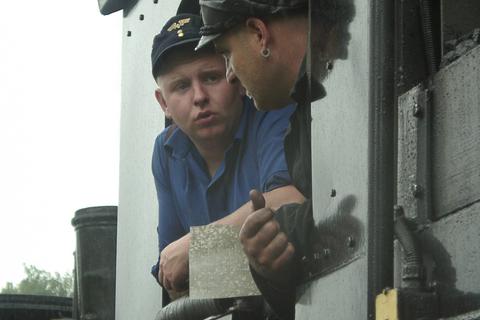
pixel 178 143
pixel 307 90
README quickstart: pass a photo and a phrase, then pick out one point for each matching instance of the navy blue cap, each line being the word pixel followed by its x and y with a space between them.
pixel 220 16
pixel 179 30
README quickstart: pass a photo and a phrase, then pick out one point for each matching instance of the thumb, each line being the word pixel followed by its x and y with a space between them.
pixel 258 201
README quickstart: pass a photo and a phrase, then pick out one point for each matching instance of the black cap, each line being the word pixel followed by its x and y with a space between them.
pixel 220 16
pixel 179 30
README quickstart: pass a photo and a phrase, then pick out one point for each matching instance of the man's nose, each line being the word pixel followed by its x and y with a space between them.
pixel 200 96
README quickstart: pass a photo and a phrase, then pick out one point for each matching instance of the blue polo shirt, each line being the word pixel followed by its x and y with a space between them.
pixel 188 196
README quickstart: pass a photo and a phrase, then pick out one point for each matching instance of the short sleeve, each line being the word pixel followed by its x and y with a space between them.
pixel 271 158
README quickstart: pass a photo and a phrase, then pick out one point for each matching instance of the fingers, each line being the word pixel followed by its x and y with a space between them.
pixel 174 295
pixel 255 222
pixel 264 236
pixel 179 283
pixel 265 245
pixel 162 278
pixel 173 271
pixel 257 199
pixel 171 283
pixel 263 241
pixel 284 258
pixel 272 250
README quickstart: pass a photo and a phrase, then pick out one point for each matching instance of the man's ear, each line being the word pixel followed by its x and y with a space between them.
pixel 260 31
pixel 162 102
pixel 242 90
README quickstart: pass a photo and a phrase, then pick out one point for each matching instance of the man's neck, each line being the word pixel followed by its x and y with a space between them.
pixel 294 50
pixel 213 153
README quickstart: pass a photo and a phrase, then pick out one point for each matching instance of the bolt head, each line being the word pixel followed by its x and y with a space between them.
pixel 326 252
pixel 417 110
pixel 333 193
pixel 416 190
pixel 350 242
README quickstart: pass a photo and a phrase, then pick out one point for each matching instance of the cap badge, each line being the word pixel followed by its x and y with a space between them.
pixel 180 33
pixel 179 24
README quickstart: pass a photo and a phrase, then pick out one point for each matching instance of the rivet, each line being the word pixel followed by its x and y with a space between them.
pixel 129 33
pixel 433 285
pixel 326 252
pixel 155 1
pixel 350 242
pixel 397 211
pixel 416 190
pixel 333 193
pixel 141 17
pixel 417 110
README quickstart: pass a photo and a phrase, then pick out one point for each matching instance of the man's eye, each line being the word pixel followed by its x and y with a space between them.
pixel 212 78
pixel 180 86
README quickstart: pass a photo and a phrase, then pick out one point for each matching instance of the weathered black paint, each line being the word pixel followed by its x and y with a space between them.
pixel 381 154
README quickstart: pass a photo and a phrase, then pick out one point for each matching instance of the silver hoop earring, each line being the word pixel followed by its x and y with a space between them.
pixel 329 66
pixel 265 53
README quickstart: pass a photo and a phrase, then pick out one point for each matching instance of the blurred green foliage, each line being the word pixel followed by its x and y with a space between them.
pixel 41 282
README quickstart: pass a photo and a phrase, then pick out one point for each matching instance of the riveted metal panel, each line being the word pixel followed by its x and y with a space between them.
pixel 456 135
pixel 138 296
pixel 349 129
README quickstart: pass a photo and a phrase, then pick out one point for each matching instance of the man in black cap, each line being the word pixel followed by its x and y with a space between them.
pixel 218 148
pixel 265 44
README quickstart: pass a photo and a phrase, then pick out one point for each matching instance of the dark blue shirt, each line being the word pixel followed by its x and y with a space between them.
pixel 188 196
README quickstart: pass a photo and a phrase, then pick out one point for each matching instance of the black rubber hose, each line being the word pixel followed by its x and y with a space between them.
pixel 193 309
pixel 413 268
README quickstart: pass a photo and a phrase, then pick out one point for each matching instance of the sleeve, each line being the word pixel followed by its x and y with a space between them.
pixel 169 227
pixel 271 158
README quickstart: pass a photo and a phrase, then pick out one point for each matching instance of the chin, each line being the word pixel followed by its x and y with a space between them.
pixel 211 133
pixel 270 104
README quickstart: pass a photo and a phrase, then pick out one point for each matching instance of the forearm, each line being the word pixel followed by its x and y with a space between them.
pixel 273 199
pixel 173 271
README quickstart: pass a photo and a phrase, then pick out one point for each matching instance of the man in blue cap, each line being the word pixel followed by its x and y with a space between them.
pixel 265 44
pixel 218 148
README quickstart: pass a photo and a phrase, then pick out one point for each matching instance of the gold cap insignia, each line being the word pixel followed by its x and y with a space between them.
pixel 179 24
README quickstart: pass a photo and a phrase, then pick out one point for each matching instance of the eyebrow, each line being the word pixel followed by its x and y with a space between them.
pixel 210 70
